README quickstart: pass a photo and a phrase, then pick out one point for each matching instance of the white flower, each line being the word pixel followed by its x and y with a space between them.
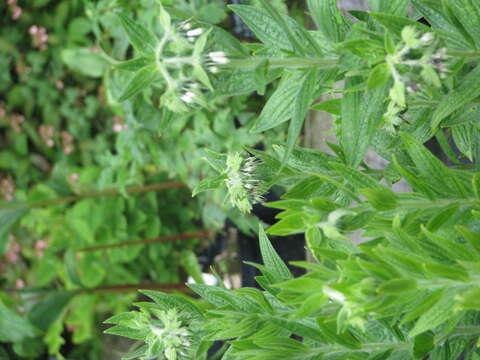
pixel 188 97
pixel 243 187
pixel 218 57
pixel 195 32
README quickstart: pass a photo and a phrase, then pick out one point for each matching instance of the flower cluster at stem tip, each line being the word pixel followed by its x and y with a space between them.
pixel 417 61
pixel 184 63
pixel 244 188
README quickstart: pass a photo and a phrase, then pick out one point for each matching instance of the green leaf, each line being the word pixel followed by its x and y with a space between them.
pixel 397 286
pixel 142 79
pixel 272 261
pixel 362 113
pixel 306 93
pixel 85 62
pixel 280 106
pixel 431 11
pixel 435 315
pixel 423 344
pixel 331 106
pixel 288 225
pixel 286 27
pixel 8 218
pixel 396 7
pixel 472 237
pixel 263 26
pixel 13 327
pixel 214 183
pixel 467 91
pixel 379 76
pixel 134 64
pixel 189 262
pixel 380 198
pixel 168 301
pixel 44 313
pixel 329 19
pixel 142 39
pixel 433 170
pixel 468 14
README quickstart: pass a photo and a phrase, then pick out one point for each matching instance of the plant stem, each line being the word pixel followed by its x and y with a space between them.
pixel 276 63
pixel 95 194
pixel 190 235
pixel 107 288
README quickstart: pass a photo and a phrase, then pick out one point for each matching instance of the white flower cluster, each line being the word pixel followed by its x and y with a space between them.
pixel 244 188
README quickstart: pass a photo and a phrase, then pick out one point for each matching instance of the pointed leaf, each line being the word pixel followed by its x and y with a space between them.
pixel 272 261
pixel 142 79
pixel 142 39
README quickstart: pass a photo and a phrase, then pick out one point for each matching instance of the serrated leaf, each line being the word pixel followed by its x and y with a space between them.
pixel 141 80
pixel 435 315
pixel 467 91
pixel 302 103
pixel 362 112
pixel 433 170
pixel 263 26
pixel 380 198
pixel 272 261
pixel 396 7
pixel 124 331
pixel 142 39
pixel 431 11
pixel 329 19
pixel 279 107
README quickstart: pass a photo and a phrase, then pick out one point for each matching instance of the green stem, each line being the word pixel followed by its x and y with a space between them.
pixel 276 63
pixel 95 194
pixel 463 53
pixel 185 236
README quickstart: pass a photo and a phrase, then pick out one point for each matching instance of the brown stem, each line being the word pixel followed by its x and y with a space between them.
pixel 95 194
pixel 135 287
pixel 191 235
pixel 108 288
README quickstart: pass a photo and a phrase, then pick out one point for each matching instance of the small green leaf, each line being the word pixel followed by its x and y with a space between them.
pixel 212 183
pixel 467 91
pixel 397 286
pixel 423 344
pixel 331 106
pixel 272 261
pixel 380 198
pixel 85 61
pixel 142 79
pixel 379 76
pixel 134 64
pixel 142 39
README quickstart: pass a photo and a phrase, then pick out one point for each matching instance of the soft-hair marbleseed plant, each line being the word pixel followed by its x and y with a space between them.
pixel 410 289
